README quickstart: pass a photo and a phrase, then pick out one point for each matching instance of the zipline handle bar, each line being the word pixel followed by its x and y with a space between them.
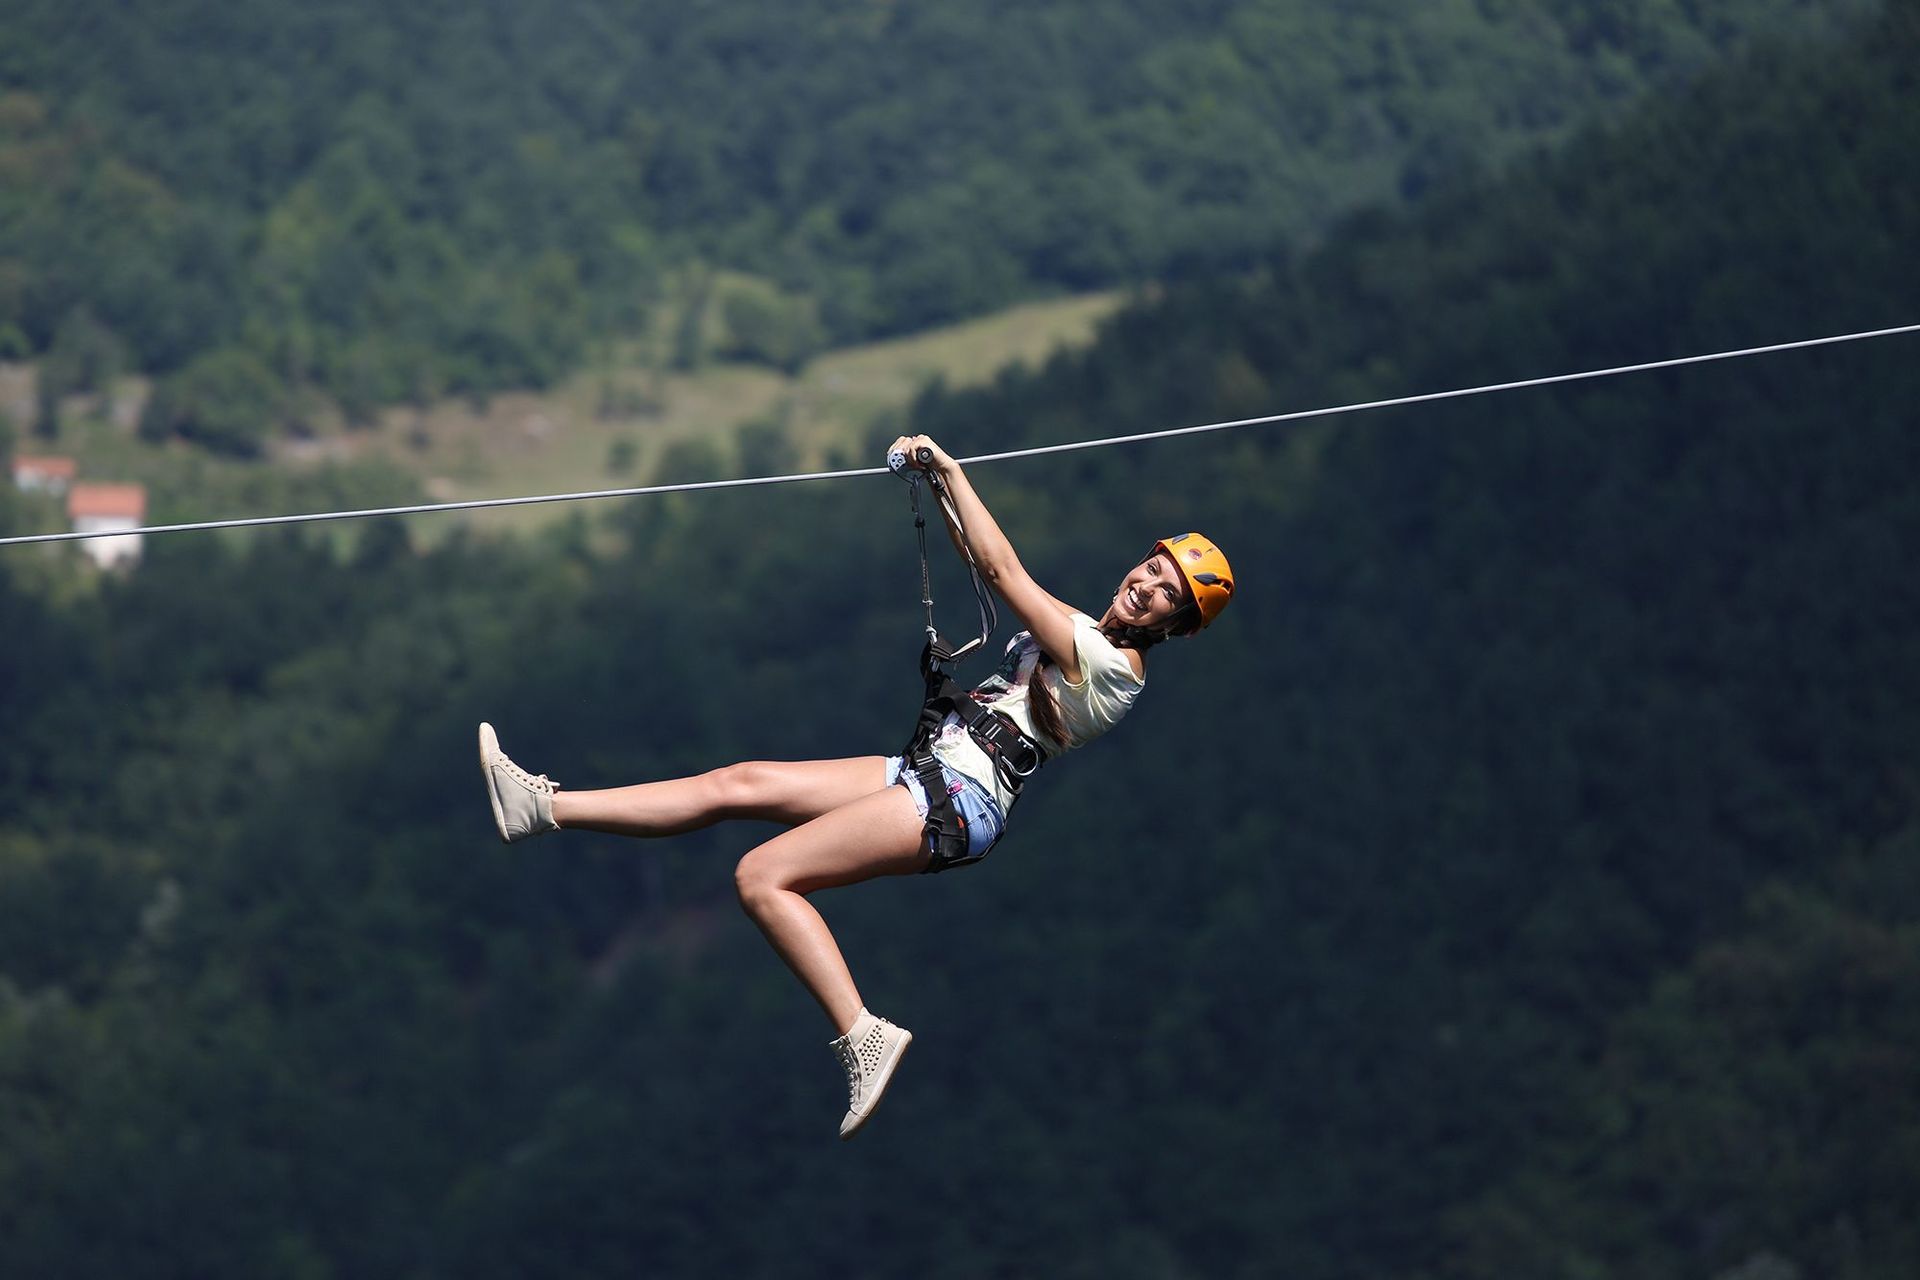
pixel 897 462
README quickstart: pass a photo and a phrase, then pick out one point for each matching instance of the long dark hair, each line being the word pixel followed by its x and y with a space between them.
pixel 1046 712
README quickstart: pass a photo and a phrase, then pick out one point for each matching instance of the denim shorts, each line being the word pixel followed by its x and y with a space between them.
pixel 977 808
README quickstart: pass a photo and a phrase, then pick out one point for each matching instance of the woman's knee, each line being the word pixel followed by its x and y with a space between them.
pixel 745 790
pixel 756 880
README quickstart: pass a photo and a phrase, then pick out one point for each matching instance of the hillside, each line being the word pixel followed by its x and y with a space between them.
pixel 386 204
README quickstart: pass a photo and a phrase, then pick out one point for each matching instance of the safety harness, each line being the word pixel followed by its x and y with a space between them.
pixel 1015 756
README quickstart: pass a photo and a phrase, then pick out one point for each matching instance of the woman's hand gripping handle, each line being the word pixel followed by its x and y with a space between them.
pixel 916 453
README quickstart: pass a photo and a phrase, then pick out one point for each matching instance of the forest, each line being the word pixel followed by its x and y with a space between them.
pixel 1544 899
pixel 290 211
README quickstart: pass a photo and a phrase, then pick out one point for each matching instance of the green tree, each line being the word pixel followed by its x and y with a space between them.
pixel 769 327
pixel 227 400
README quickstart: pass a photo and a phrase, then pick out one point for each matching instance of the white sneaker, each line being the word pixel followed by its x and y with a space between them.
pixel 869 1051
pixel 522 802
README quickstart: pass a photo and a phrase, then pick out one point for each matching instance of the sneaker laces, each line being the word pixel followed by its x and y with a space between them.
pixel 843 1050
pixel 531 781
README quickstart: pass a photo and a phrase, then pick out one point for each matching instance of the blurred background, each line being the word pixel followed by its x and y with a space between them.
pixel 1522 879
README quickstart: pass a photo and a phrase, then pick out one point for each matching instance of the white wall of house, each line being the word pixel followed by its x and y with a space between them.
pixel 108 552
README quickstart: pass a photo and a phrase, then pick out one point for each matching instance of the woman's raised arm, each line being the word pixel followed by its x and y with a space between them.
pixel 1049 619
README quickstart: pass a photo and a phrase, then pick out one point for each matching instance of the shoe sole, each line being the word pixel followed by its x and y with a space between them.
pixel 881 1081
pixel 489 748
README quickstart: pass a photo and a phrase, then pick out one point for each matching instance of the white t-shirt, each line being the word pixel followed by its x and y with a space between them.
pixel 1107 688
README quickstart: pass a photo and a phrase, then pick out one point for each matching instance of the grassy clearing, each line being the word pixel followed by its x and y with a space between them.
pixel 619 424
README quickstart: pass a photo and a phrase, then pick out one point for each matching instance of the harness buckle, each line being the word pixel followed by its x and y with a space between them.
pixel 1029 771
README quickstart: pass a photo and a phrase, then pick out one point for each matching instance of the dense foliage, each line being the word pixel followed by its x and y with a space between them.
pixel 1519 881
pixel 390 202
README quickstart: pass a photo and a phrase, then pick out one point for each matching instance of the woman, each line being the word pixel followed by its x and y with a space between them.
pixel 1063 681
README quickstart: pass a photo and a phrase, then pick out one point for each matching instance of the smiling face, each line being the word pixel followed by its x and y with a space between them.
pixel 1149 595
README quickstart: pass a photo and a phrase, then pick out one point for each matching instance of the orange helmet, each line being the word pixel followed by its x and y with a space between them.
pixel 1204 568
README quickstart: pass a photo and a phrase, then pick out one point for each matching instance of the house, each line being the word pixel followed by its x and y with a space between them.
pixel 98 507
pixel 43 475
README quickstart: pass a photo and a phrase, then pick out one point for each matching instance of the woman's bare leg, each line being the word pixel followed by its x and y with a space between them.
pixel 847 825
pixel 879 834
pixel 787 792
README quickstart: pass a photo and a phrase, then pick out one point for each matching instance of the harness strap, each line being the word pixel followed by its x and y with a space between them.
pixel 946 828
pixel 1015 756
pixel 989 616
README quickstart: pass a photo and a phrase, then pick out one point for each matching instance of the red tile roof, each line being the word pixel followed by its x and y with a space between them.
pixel 128 501
pixel 51 468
